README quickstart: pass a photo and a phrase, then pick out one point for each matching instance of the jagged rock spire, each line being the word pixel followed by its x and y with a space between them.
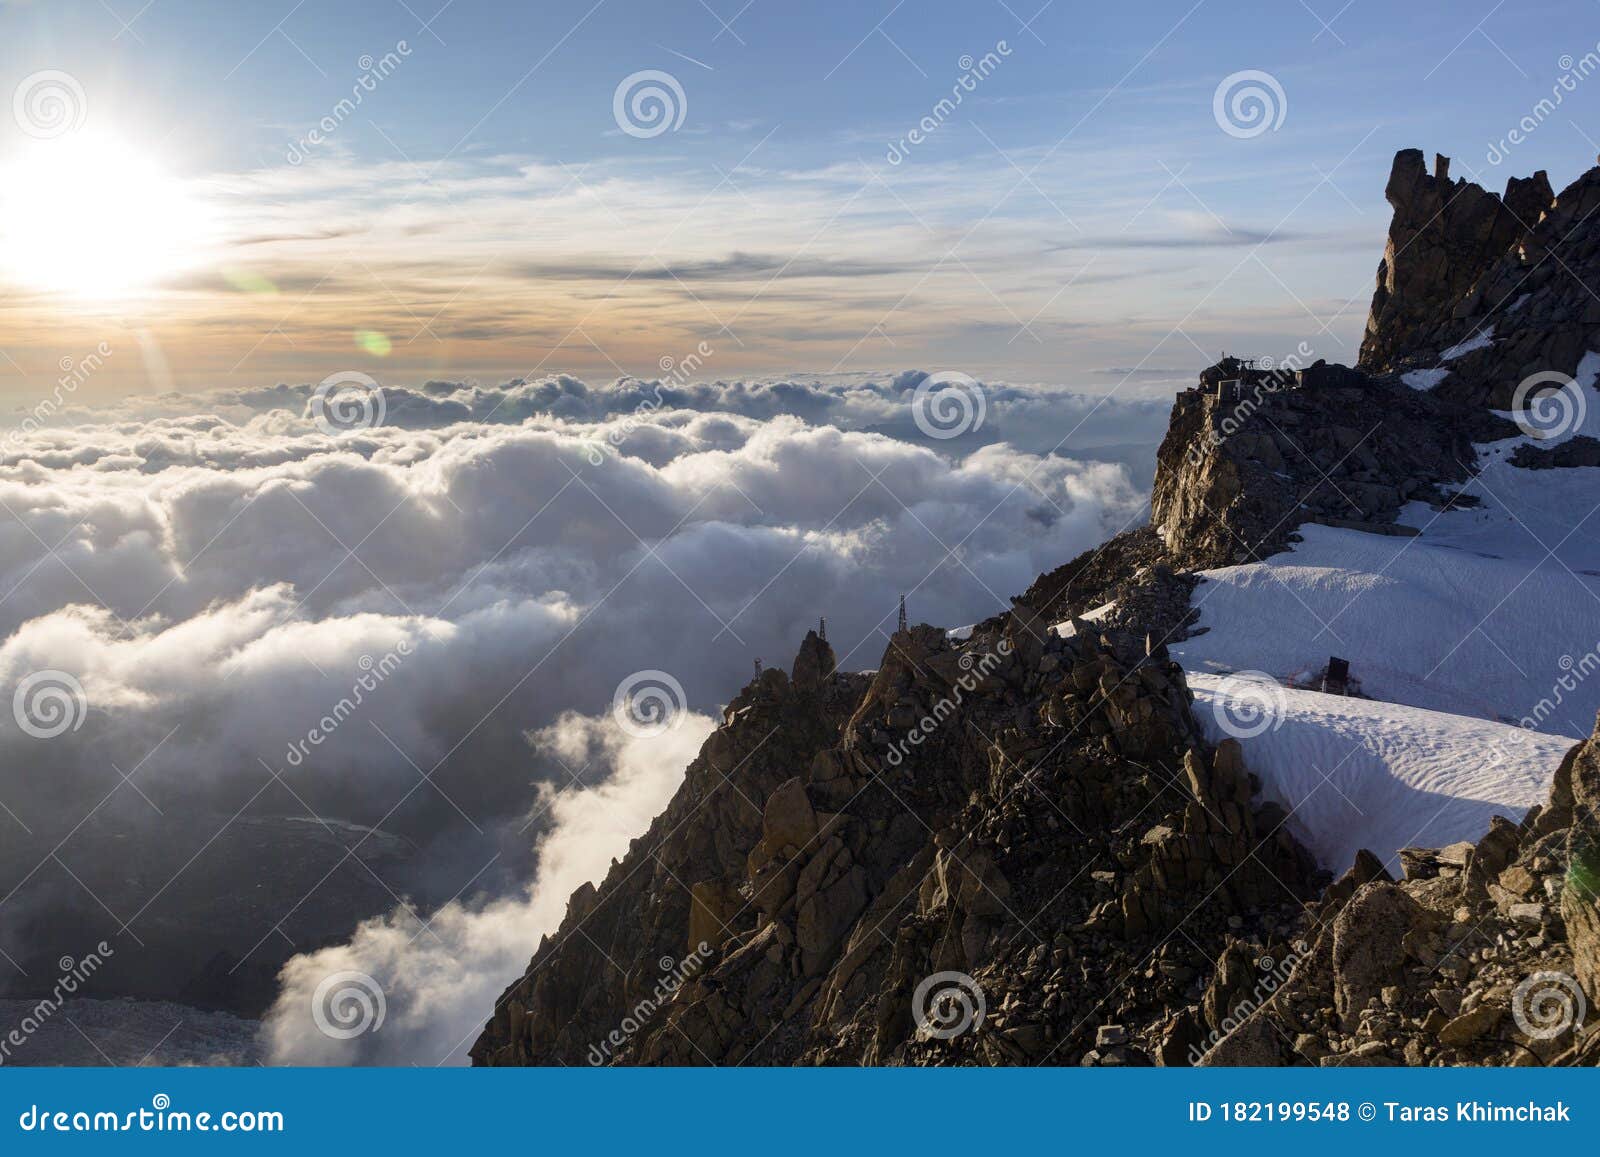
pixel 814 664
pixel 1445 235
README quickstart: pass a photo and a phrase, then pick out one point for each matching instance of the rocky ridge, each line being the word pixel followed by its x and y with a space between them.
pixel 1250 456
pixel 1499 278
pixel 1054 818
pixel 1018 848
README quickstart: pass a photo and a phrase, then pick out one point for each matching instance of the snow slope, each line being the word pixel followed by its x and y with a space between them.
pixel 1424 622
pixel 1491 612
pixel 1488 617
pixel 1353 773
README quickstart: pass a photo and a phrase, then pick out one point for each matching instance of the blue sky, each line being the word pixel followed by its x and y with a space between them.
pixel 481 214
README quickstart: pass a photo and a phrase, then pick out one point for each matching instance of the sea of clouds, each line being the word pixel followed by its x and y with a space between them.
pixel 488 566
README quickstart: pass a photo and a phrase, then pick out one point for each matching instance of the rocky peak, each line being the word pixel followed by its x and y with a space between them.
pixel 1472 282
pixel 1029 813
pixel 814 664
pixel 1444 236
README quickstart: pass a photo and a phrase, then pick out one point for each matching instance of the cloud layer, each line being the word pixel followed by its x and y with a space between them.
pixel 358 631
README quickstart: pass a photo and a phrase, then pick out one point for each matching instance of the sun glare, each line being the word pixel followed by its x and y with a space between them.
pixel 90 216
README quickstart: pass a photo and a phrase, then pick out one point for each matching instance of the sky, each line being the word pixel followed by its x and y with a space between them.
pixel 213 213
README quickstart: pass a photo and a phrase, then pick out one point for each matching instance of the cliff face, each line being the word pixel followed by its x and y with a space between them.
pixel 1444 237
pixel 1508 275
pixel 986 850
pixel 1242 465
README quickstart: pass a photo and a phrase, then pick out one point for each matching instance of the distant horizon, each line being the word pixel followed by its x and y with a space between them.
pixel 487 195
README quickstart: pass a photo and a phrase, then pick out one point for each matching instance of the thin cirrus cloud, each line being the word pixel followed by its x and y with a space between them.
pixel 504 265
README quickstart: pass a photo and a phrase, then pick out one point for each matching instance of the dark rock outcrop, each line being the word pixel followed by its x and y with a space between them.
pixel 1025 815
pixel 1249 458
pixel 1579 451
pixel 1095 575
pixel 1444 237
pixel 1507 276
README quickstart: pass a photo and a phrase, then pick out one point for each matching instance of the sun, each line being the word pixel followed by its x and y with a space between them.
pixel 88 215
